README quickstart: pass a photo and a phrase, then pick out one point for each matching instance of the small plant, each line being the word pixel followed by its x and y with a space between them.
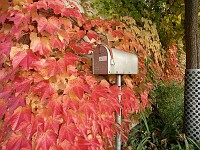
pixel 161 129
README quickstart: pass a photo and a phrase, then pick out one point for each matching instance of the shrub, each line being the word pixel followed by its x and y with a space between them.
pixel 49 98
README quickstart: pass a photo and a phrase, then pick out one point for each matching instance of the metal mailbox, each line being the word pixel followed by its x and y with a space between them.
pixel 115 62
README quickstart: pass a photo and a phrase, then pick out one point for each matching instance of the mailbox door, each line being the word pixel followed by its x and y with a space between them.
pixel 100 60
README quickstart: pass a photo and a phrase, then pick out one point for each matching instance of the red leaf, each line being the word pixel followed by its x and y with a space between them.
pixel 24 59
pixel 61 66
pixel 46 122
pixel 43 89
pixel 91 81
pixel 4 75
pixel 56 43
pixel 87 25
pixel 44 140
pixel 18 18
pixel 77 86
pixel 105 83
pixel 97 22
pixel 58 6
pixel 53 124
pixel 3 59
pixel 79 91
pixel 55 104
pixel 71 70
pixel 68 105
pixel 99 91
pixel 70 12
pixel 14 102
pixel 92 35
pixel 41 4
pixel 117 33
pixel 18 58
pixel 129 101
pixel 68 132
pixel 18 141
pixel 6 92
pixel 21 85
pixel 21 115
pixel 52 25
pixel 50 67
pixel 65 145
pixel 81 48
pixel 70 58
pixel 3 107
pixel 16 31
pixel 41 23
pixel 29 129
pixel 2 17
pixel 5 48
pixel 41 45
pixel 80 34
pixel 85 144
pixel 88 108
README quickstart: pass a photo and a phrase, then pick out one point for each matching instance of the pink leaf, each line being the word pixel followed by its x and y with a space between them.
pixel 70 58
pixel 41 23
pixel 21 85
pixel 5 48
pixel 92 35
pixel 21 115
pixel 14 102
pixel 18 141
pixel 80 48
pixel 43 89
pixel 24 59
pixel 68 132
pixel 44 140
pixel 3 107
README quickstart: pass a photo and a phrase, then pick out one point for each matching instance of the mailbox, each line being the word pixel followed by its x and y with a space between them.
pixel 113 62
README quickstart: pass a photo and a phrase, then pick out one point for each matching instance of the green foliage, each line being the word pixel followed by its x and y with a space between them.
pixel 169 100
pixel 168 15
pixel 162 128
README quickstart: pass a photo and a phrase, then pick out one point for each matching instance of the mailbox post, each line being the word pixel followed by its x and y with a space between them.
pixel 119 117
pixel 106 61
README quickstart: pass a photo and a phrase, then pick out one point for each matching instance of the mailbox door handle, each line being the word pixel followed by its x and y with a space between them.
pixel 112 62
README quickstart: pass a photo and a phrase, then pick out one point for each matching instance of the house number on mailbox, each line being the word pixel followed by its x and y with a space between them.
pixel 103 58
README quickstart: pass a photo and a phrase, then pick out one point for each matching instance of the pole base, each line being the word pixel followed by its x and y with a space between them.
pixel 192 104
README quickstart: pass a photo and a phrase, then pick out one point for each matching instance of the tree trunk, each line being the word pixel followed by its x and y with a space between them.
pixel 192 73
pixel 191 34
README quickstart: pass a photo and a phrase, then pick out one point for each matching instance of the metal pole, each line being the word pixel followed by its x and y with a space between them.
pixel 118 116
